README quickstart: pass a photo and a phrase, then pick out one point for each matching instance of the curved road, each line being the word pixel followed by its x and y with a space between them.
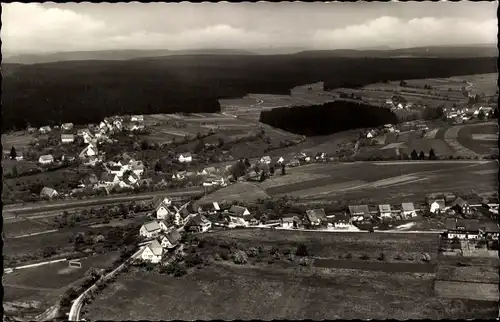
pixel 74 313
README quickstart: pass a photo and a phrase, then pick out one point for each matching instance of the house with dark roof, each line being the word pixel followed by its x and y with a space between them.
pixel 171 239
pixel 462 228
pixel 461 206
pixel 341 221
pixel 359 212
pixel 314 217
pixel 239 211
pixel 197 223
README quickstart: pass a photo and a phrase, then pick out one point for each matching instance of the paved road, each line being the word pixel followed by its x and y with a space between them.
pixel 74 313
pixel 11 211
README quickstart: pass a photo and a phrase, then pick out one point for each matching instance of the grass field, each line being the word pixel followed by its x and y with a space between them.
pixel 24 227
pixel 225 291
pixel 478 138
pixel 44 284
pixel 478 274
pixel 239 191
pixel 482 83
pixel 379 181
pixel 22 166
pixel 20 140
pixel 467 290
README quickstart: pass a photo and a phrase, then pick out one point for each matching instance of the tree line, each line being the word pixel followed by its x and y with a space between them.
pixel 327 118
pixel 87 91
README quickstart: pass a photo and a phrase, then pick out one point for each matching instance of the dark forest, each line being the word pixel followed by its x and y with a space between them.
pixel 87 91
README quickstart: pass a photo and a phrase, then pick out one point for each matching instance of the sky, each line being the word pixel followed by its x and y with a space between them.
pixel 51 27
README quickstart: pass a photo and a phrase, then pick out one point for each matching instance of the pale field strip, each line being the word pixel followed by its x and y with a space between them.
pixel 431 134
pixel 396 145
pixel 393 181
pixel 297 177
pixel 467 291
pixel 485 137
pixel 486 172
pixel 326 189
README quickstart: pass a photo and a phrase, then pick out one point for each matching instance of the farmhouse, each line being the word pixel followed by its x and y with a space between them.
pixel 462 228
pixel 237 222
pixel 239 211
pixel 32 130
pixel 461 206
pixel 116 169
pixel 150 229
pixel 48 193
pixel 152 252
pixel 288 222
pixel 315 216
pixel 45 129
pixel 359 212
pixel 384 211
pixel 341 221
pixel 46 159
pixel 89 151
pixel 437 206
pixel 321 156
pixel 171 239
pixel 265 159
pixel 137 118
pixel 185 157
pixel 408 210
pixel 67 126
pixel 280 160
pixel 67 138
pixel 198 223
pixel 163 208
pixel 212 208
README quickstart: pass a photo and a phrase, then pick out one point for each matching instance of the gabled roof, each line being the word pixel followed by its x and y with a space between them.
pixel 186 154
pixel 287 219
pixel 315 215
pixel 459 202
pixel 197 220
pixel 384 208
pixel 155 248
pixel 440 203
pixel 173 235
pixel 47 191
pixel 359 210
pixel 47 157
pixel 344 218
pixel 216 205
pixel 152 226
pixel 238 210
pixel 408 206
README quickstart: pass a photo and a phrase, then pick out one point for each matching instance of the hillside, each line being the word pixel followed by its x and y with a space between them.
pixel 87 91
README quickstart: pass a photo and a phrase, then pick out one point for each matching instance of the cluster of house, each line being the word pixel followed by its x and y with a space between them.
pixel 460 115
pixel 470 229
pixel 387 128
pixel 123 172
pixel 398 105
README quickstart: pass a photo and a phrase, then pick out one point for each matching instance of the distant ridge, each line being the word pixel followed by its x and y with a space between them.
pixel 458 51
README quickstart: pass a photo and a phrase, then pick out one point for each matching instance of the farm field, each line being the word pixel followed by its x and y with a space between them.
pixel 24 227
pixel 381 180
pixel 22 166
pixel 292 292
pixel 482 83
pixel 41 286
pixel 237 191
pixel 481 139
pixel 20 140
pixel 477 274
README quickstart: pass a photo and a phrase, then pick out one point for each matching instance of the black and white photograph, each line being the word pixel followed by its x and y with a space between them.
pixel 250 161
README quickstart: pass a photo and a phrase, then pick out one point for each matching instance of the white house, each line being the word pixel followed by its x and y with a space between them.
pixel 103 126
pixel 152 252
pixel 89 151
pixel 137 169
pixel 150 229
pixel 280 160
pixel 384 211
pixel 287 222
pixel 48 192
pixel 341 221
pixel 437 205
pixel 185 157
pixel 239 211
pixel 87 137
pixel 46 159
pixel 67 138
pixel 197 223
pixel 45 129
pixel 137 118
pixel 265 159
pixel 237 222
pixel 369 135
pixel 67 126
pixel 408 210
pixel 170 239
pixel 163 209
pixel 118 124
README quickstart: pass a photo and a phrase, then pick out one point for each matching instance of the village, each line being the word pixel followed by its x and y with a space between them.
pixel 162 235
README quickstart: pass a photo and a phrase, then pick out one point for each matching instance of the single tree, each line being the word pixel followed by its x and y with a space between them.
pixel 199 146
pixel 144 145
pixel 13 153
pixel 14 172
pixel 432 155
pixel 158 167
pixel 481 115
pixel 271 169
pixel 283 170
pixel 421 156
pixel 414 155
pixel 221 142
pixel 262 176
pixel 247 163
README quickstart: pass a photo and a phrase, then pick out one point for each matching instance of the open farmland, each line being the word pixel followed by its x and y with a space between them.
pixel 290 291
pixel 380 180
pixel 480 138
pixel 22 166
pixel 20 140
pixel 43 285
pixel 482 83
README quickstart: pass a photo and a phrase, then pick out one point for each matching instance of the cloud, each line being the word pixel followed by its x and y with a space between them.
pixel 29 28
pixel 392 31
